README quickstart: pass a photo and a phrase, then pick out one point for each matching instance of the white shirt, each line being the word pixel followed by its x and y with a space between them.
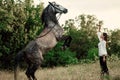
pixel 101 45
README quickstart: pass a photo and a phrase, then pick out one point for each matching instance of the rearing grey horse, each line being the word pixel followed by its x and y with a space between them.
pixel 48 38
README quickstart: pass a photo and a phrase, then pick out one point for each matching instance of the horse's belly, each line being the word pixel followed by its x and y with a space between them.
pixel 33 53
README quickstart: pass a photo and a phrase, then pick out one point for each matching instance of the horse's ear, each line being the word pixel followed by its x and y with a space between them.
pixel 52 3
pixel 49 2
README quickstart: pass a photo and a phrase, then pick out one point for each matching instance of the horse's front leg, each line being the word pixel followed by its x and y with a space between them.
pixel 67 40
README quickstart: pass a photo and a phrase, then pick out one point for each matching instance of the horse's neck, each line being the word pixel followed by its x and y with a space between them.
pixel 50 24
pixel 50 19
pixel 56 28
pixel 58 31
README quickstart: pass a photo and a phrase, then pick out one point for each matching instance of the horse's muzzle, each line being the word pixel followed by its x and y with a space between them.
pixel 65 11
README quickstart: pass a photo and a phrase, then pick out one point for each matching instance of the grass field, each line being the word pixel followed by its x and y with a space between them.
pixel 73 72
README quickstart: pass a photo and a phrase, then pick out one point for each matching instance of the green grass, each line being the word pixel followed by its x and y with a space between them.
pixel 72 72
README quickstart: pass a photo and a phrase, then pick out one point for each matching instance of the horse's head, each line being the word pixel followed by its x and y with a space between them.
pixel 58 8
pixel 49 18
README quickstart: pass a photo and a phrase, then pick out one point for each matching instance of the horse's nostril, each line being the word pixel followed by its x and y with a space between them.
pixel 65 11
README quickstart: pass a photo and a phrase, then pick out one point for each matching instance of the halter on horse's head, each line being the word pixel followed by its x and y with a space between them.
pixel 57 8
pixel 49 14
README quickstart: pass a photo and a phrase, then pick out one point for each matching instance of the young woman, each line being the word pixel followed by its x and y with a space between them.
pixel 102 51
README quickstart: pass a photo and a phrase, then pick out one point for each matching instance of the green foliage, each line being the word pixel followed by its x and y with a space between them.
pixel 83 31
pixel 115 42
pixel 57 57
pixel 93 54
pixel 19 23
pixel 113 58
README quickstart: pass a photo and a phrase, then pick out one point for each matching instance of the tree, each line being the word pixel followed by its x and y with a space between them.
pixel 19 23
pixel 83 31
pixel 115 42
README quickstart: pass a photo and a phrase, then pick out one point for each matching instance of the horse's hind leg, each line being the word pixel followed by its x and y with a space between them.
pixel 33 70
pixel 28 72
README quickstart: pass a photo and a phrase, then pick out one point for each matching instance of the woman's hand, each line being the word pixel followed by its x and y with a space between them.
pixel 104 59
pixel 99 28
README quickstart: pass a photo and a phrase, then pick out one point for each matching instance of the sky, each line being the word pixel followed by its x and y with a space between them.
pixel 106 10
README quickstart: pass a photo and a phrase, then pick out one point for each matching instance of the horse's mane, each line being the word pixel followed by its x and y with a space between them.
pixel 47 15
pixel 43 16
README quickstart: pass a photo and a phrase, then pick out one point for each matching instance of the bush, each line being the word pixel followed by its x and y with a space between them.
pixel 115 42
pixel 113 57
pixel 92 54
pixel 19 25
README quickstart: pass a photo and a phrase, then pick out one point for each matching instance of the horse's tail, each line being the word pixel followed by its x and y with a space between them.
pixel 16 62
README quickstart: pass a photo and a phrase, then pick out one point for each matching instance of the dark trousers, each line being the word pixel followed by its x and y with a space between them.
pixel 103 64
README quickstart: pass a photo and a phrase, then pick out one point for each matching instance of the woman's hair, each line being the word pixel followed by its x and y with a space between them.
pixel 105 36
